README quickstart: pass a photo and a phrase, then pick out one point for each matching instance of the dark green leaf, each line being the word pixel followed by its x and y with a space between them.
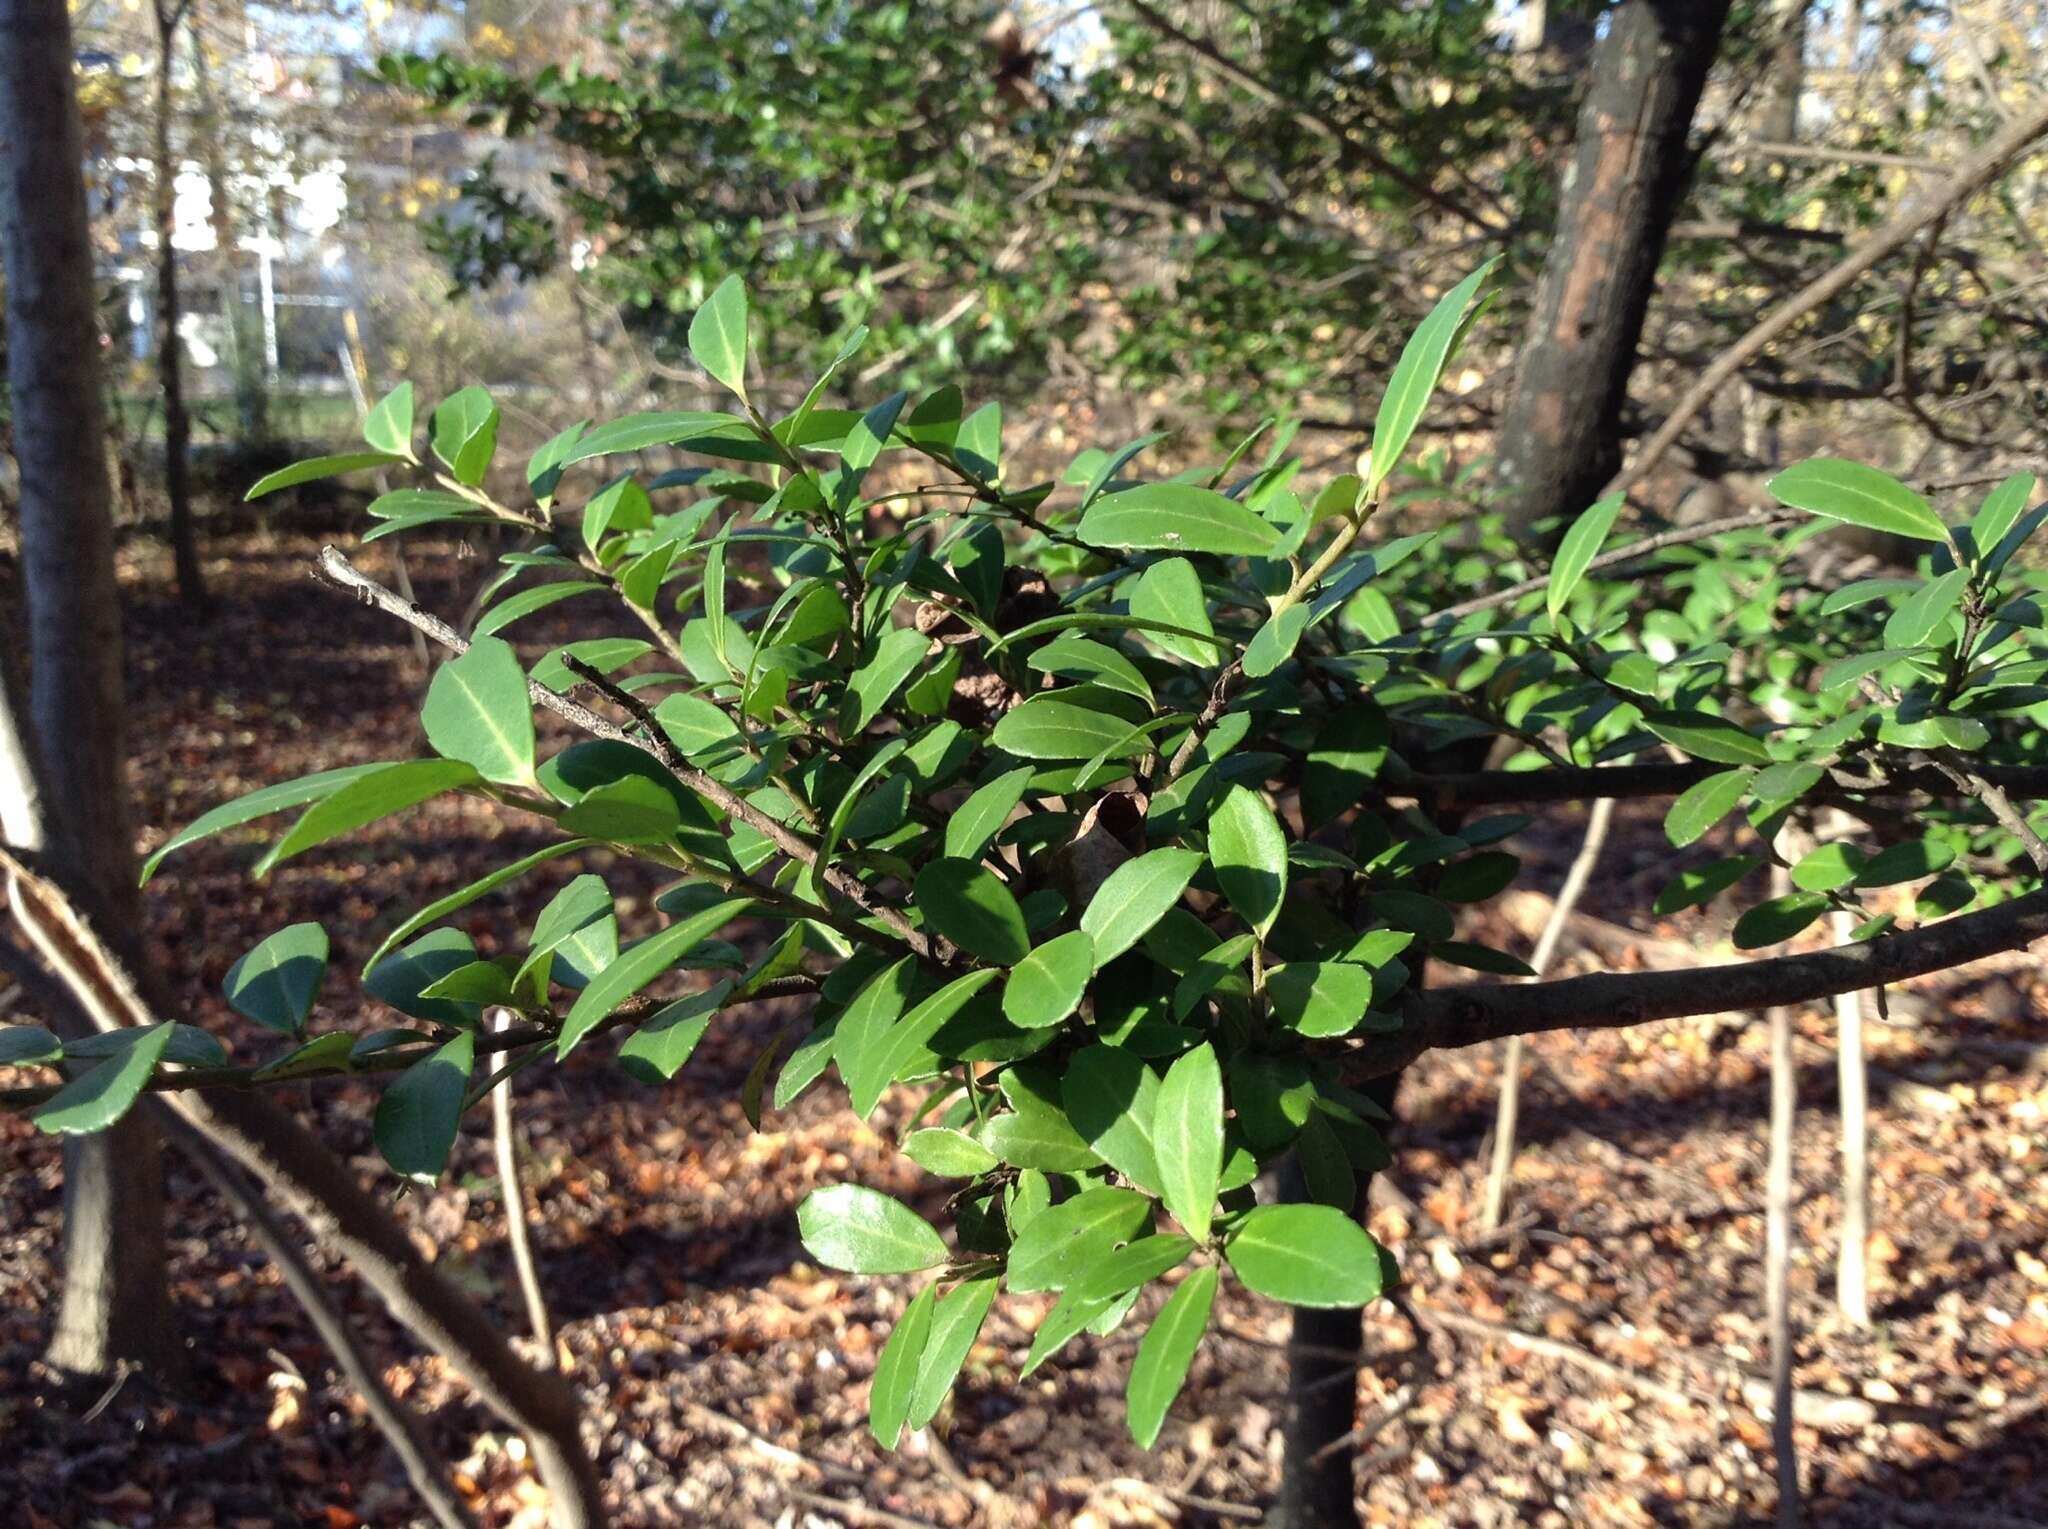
pixel 1249 851
pixel 1779 919
pixel 421 1109
pixel 275 983
pixel 639 966
pixel 1703 804
pixel 1187 1139
pixel 1046 986
pixel 102 1094
pixel 964 901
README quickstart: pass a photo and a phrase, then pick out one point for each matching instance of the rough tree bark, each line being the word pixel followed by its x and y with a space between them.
pixel 170 358
pixel 1560 438
pixel 114 1308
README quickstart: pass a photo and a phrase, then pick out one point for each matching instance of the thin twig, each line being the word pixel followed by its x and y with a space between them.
pixel 505 1145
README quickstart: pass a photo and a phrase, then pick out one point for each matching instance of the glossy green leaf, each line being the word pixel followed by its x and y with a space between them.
pixel 1415 375
pixel 1112 1098
pixel 402 977
pixel 892 1054
pixel 1829 866
pixel 897 1366
pixel 1581 544
pixel 28 1046
pixel 1187 1139
pixel 973 826
pixel 275 983
pixel 656 1051
pixel 1779 919
pixel 1319 998
pixel 1915 621
pixel 103 1093
pixel 1176 517
pixel 1859 496
pixel 465 434
pixel 900 651
pixel 718 334
pixel 1170 593
pixel 2001 508
pixel 258 804
pixel 1703 804
pixel 316 468
pixel 421 1109
pixel 1061 1241
pixel 388 425
pixel 1708 737
pixel 529 601
pixel 376 793
pixel 441 907
pixel 1049 727
pixel 1047 985
pixel 1691 888
pixel 1134 897
pixel 1136 1263
pixel 478 711
pixel 1306 1255
pixel 949 1153
pixel 1166 1352
pixel 964 901
pixel 956 1321
pixel 862 1231
pixel 1248 848
pixel 637 967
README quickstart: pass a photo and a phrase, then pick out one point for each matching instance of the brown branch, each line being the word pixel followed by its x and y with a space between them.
pixel 1316 125
pixel 341 571
pixel 1474 1013
pixel 1943 190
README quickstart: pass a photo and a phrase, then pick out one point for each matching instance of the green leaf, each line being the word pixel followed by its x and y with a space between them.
pixel 2001 507
pixel 657 1050
pixel 275 983
pixel 1705 736
pixel 465 432
pixel 1703 804
pixel 257 804
pixel 696 726
pixel 388 426
pixel 1306 1255
pixel 328 1053
pixel 630 810
pixel 1689 889
pixel 441 907
pixel 869 688
pixel 1905 862
pixel 894 1052
pixel 621 505
pixel 421 1109
pixel 1581 544
pixel 1170 593
pixel 376 793
pixel 28 1046
pixel 964 901
pixel 316 468
pixel 481 983
pixel 860 1231
pixel 102 1094
pixel 1415 375
pixel 1319 998
pixel 1829 866
pixel 1779 919
pixel 1916 618
pixel 973 825
pixel 1274 643
pixel 1249 851
pixel 478 711
pixel 955 1322
pixel 1046 986
pixel 637 432
pixel 1061 1241
pixel 1187 1139
pixel 401 978
pixel 1859 496
pixel 1048 727
pixel 1166 1352
pixel 1112 1097
pixel 948 1153
pixel 1136 1263
pixel 528 601
pixel 1071 1314
pixel 637 967
pixel 1176 517
pixel 1134 897
pixel 718 335
pixel 896 1369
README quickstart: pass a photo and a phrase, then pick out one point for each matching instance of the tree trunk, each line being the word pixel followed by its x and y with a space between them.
pixel 1777 117
pixel 170 357
pixel 1318 1481
pixel 1852 1270
pixel 1560 438
pixel 114 1308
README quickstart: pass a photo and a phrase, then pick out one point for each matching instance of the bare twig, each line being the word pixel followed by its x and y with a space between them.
pixel 1939 194
pixel 505 1145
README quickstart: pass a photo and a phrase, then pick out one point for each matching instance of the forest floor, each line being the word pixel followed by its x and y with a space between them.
pixel 1594 1366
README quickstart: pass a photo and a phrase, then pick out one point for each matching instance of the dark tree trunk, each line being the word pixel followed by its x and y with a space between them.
pixel 113 1306
pixel 1318 1472
pixel 1560 439
pixel 170 357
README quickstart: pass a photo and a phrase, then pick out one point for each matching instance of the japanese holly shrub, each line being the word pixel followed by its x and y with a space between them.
pixel 1098 813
